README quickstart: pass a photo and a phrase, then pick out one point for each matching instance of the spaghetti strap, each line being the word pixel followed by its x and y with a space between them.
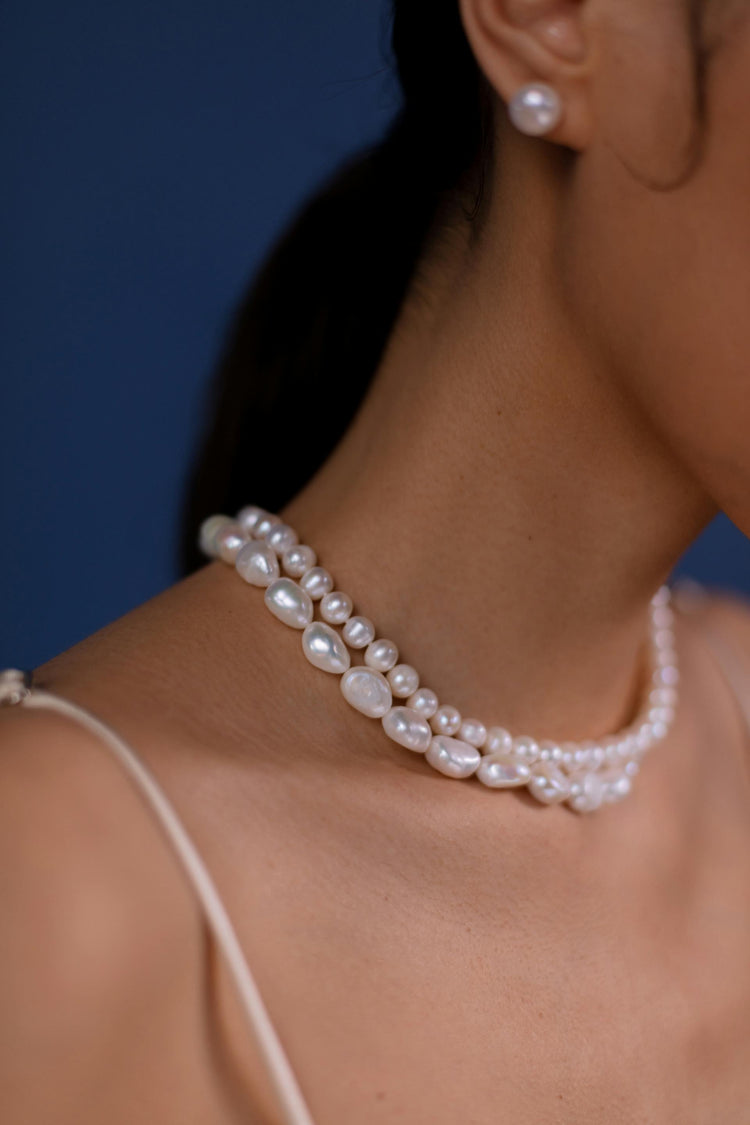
pixel 16 688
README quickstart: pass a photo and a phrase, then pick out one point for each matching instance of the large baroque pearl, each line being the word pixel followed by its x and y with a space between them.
pixel 324 648
pixel 257 563
pixel 289 603
pixel 367 690
pixel 208 532
pixel 503 771
pixel 453 757
pixel 408 728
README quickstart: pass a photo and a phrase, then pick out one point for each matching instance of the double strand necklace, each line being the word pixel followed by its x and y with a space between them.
pixel 584 775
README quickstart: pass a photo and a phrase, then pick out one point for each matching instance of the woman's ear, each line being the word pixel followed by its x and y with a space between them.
pixel 517 42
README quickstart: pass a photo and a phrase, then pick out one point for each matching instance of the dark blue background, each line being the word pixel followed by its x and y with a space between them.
pixel 151 153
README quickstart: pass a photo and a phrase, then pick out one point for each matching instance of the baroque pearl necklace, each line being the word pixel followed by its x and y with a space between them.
pixel 584 775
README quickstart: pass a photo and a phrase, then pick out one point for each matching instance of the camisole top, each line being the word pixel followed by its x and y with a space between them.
pixel 17 688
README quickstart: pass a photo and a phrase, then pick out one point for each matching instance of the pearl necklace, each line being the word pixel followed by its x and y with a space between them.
pixel 584 775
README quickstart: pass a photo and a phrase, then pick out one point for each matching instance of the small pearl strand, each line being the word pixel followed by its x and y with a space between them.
pixel 584 775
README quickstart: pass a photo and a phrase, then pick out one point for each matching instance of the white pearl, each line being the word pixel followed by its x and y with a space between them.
pixel 208 531
pixel 662 596
pixel 248 517
pixel 499 741
pixel 473 732
pixel 425 701
pixel 408 728
pixel 617 785
pixel 336 607
pixel 663 696
pixel 229 539
pixel 589 791
pixel 453 757
pixel 530 751
pixel 404 680
pixel 662 617
pixel 264 524
pixel 548 784
pixel 446 720
pixel 358 631
pixel 257 563
pixel 281 537
pixel 503 771
pixel 296 560
pixel 381 654
pixel 535 108
pixel 289 603
pixel 317 581
pixel 324 648
pixel 367 690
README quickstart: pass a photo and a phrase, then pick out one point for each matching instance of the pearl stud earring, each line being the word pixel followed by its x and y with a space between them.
pixel 535 108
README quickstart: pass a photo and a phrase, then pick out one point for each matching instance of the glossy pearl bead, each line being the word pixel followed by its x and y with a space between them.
pixel 408 728
pixel 446 720
pixel 208 532
pixel 535 109
pixel 499 741
pixel 264 524
pixel 367 690
pixel 381 654
pixel 257 563
pixel 229 540
pixel 324 648
pixel 248 517
pixel 473 732
pixel 453 757
pixel 317 581
pixel 296 560
pixel 335 607
pixel 529 750
pixel 358 631
pixel 425 701
pixel 503 771
pixel 548 784
pixel 587 792
pixel 289 603
pixel 404 680
pixel 281 537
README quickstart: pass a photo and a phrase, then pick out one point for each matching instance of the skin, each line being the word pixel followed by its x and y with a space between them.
pixel 561 408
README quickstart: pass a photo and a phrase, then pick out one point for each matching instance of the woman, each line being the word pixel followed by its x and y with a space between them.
pixel 496 378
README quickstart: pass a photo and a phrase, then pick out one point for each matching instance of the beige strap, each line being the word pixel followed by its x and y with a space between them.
pixel 15 689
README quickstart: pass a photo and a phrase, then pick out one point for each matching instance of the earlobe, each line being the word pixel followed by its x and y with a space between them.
pixel 534 54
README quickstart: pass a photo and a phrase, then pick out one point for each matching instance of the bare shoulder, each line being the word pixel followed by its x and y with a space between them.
pixel 96 919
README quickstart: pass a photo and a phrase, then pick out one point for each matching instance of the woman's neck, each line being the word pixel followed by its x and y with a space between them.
pixel 498 507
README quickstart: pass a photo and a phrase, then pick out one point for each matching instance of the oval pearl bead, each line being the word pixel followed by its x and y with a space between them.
pixel 404 680
pixel 248 517
pixel 335 607
pixel 446 720
pixel 503 771
pixel 548 784
pixel 526 748
pixel 264 524
pixel 317 581
pixel 324 648
pixel 281 537
pixel 473 732
pixel 208 532
pixel 425 701
pixel 358 631
pixel 588 792
pixel 289 603
pixel 381 654
pixel 229 539
pixel 617 785
pixel 499 741
pixel 367 690
pixel 408 728
pixel 257 563
pixel 296 560
pixel 453 757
